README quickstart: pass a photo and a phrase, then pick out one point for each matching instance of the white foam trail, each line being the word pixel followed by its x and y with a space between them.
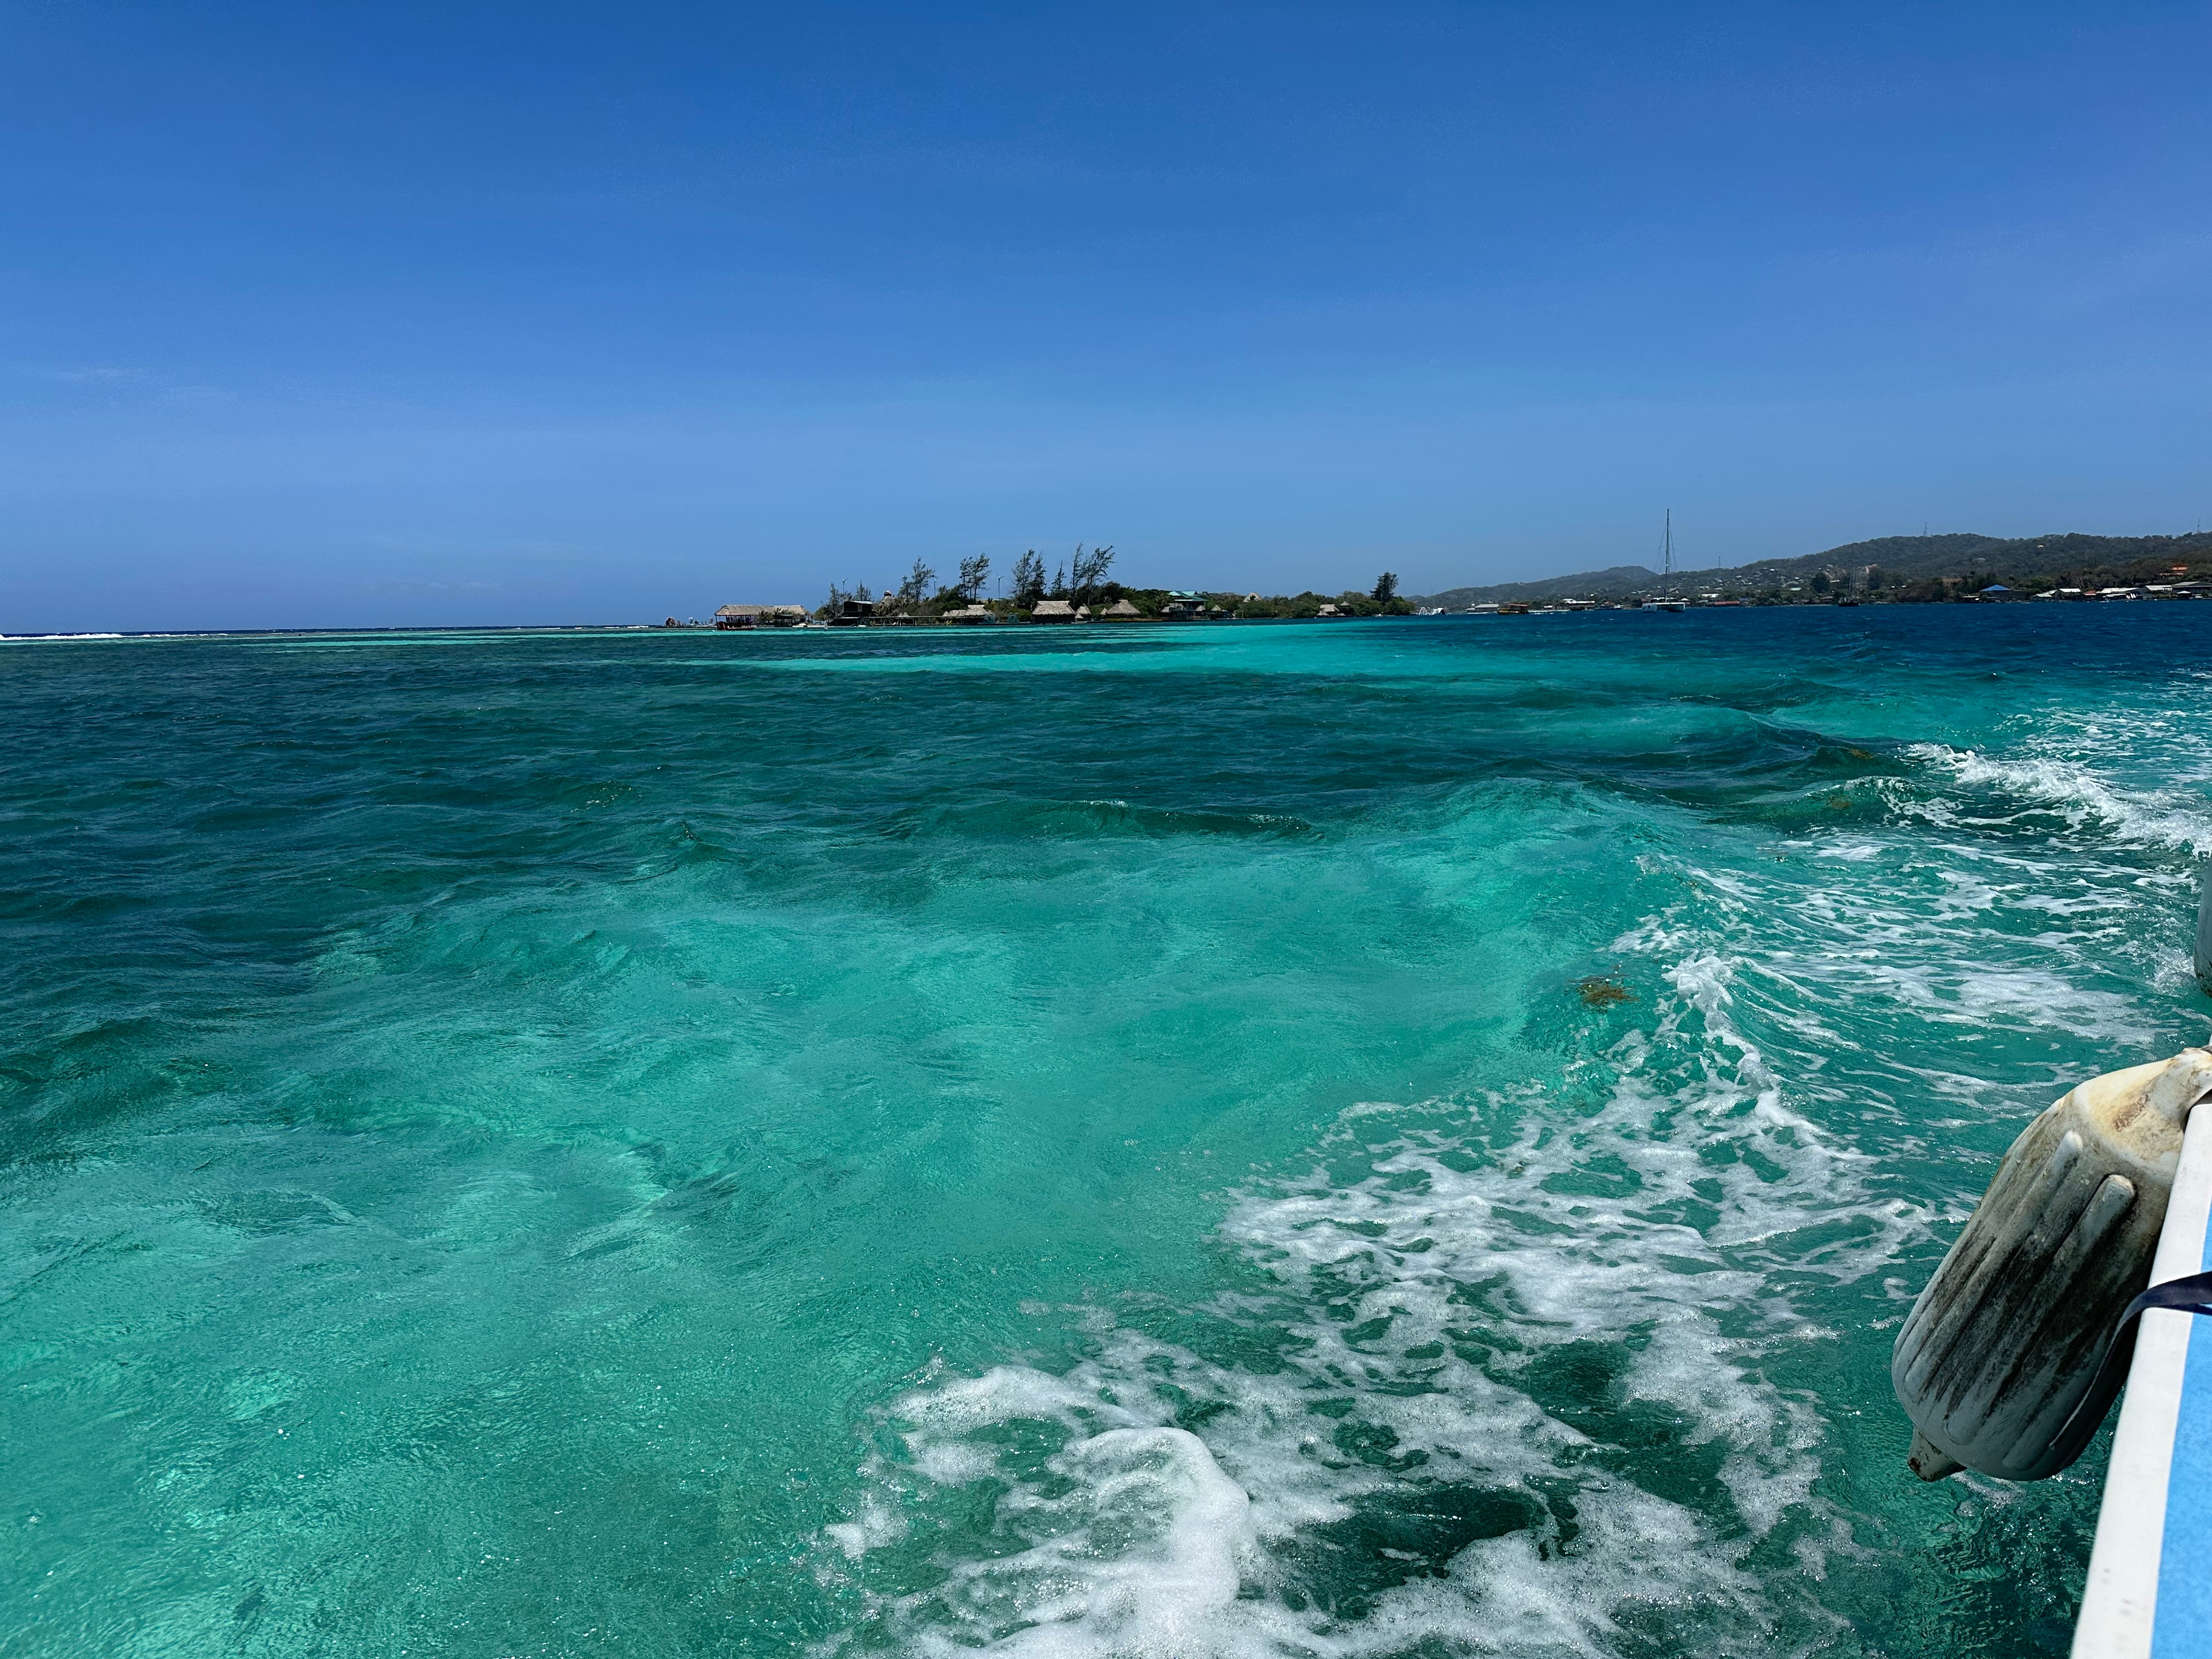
pixel 1584 1305
pixel 1177 1534
pixel 1429 1319
pixel 2079 795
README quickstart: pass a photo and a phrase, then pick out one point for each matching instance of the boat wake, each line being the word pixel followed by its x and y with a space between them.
pixel 2077 795
pixel 1497 1381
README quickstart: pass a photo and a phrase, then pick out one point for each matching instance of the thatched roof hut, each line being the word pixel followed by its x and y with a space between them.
pixel 1053 611
pixel 1121 608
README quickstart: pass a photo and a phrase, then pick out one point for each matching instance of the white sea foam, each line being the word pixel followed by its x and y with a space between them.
pixel 1975 996
pixel 1935 934
pixel 1143 1550
pixel 2079 795
pixel 1853 852
pixel 1442 1323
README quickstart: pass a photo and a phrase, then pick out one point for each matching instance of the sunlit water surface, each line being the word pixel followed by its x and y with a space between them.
pixel 1387 1138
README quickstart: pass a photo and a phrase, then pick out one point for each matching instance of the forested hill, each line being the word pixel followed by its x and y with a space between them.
pixel 1976 559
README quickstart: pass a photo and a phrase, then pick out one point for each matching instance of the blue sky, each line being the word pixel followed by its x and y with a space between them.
pixel 323 315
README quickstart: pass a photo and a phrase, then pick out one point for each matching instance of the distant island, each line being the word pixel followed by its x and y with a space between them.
pixel 1892 570
pixel 1077 590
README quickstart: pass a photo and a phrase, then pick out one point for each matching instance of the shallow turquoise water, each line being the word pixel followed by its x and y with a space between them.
pixel 675 1144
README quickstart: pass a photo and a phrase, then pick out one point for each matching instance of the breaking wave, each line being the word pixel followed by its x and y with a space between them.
pixel 2077 795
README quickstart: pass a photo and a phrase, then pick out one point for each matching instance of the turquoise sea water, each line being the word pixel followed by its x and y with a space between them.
pixel 1084 1143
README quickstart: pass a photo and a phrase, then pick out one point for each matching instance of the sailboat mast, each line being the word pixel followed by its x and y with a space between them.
pixel 1670 544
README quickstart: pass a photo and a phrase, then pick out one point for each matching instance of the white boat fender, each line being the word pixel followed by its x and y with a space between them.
pixel 2001 1362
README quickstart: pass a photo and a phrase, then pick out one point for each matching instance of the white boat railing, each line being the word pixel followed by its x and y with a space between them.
pixel 2121 1597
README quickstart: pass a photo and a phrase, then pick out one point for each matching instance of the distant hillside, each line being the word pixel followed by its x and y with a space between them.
pixel 1907 558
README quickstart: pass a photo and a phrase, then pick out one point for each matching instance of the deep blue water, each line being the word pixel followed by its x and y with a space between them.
pixel 1406 1138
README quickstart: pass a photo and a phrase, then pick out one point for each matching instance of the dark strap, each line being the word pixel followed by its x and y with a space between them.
pixel 2190 1295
